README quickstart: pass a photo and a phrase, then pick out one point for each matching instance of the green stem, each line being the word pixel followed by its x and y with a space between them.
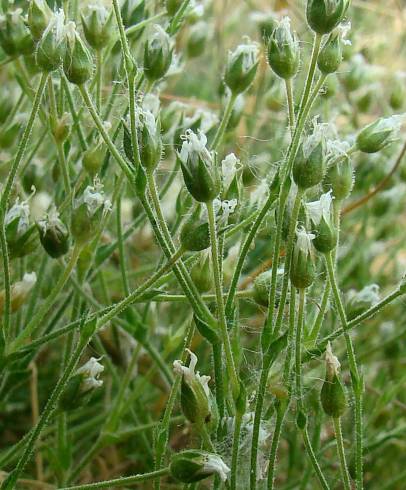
pixel 236 445
pixel 341 453
pixel 99 79
pixel 313 460
pixel 291 105
pixel 280 417
pixel 121 482
pixel 6 195
pixel 49 408
pixel 231 371
pixel 224 123
pixel 356 379
pixel 46 306
pixel 298 348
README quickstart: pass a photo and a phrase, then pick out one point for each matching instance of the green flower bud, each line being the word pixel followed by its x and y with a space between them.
pixel 53 235
pixel 284 51
pixel 93 158
pixel 97 26
pixel 324 15
pixel 302 269
pixel 87 213
pixel 379 134
pixel 202 274
pixel 325 239
pixel 81 386
pixel 157 54
pixel 275 98
pixel 241 68
pixel 359 301
pixel 262 287
pixel 339 178
pixel 194 465
pixel 20 235
pixel 197 39
pixel 19 292
pixel 398 93
pixel 266 22
pixel 52 45
pixel 61 128
pixel 310 163
pixel 332 396
pixel 195 235
pixel 77 63
pixel 331 54
pixel 198 168
pixel 15 37
pixel 197 401
pixel 39 16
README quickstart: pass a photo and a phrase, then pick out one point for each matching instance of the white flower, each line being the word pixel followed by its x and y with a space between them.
pixel 285 33
pixel 194 143
pixel 100 10
pixel 319 136
pixel 214 464
pixel 249 50
pixel 332 363
pixel 189 372
pixel 343 30
pixel 91 371
pixel 304 240
pixel 392 123
pixel 229 167
pixel 151 103
pixel 320 209
pixel 337 149
pixel 94 198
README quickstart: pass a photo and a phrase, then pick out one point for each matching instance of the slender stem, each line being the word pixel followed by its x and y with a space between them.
pixel 291 105
pixel 6 195
pixel 50 406
pixel 121 250
pixel 280 416
pixel 341 453
pixel 121 482
pixel 76 120
pixel 236 445
pixel 298 348
pixel 231 371
pixel 224 123
pixel 313 460
pixel 356 380
pixel 46 306
pixel 99 79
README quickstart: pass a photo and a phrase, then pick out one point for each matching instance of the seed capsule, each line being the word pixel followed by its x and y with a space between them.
pixel 241 68
pixel 284 51
pixel 324 15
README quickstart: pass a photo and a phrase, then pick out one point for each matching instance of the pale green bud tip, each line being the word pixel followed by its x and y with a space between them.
pixel 195 465
pixel 380 133
pixel 91 372
pixel 320 209
pixel 241 67
pixel 304 241
pixel 332 363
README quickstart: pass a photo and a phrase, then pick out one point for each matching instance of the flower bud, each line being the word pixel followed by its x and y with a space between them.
pixel 262 287
pixel 230 173
pixel 149 138
pixel 379 134
pixel 20 235
pixel 198 168
pixel 77 63
pixel 197 39
pixel 266 23
pixel 302 268
pixel 324 15
pixel 61 127
pixel 97 26
pixel 284 51
pixel 197 401
pixel 87 213
pixel 195 235
pixel 331 54
pixel 15 37
pixel 194 465
pixel 332 394
pixel 52 45
pixel 157 54
pixel 359 301
pixel 19 292
pixel 325 239
pixel 339 178
pixel 93 157
pixel 53 235
pixel 241 67
pixel 310 163
pixel 81 385
pixel 202 274
pixel 39 16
